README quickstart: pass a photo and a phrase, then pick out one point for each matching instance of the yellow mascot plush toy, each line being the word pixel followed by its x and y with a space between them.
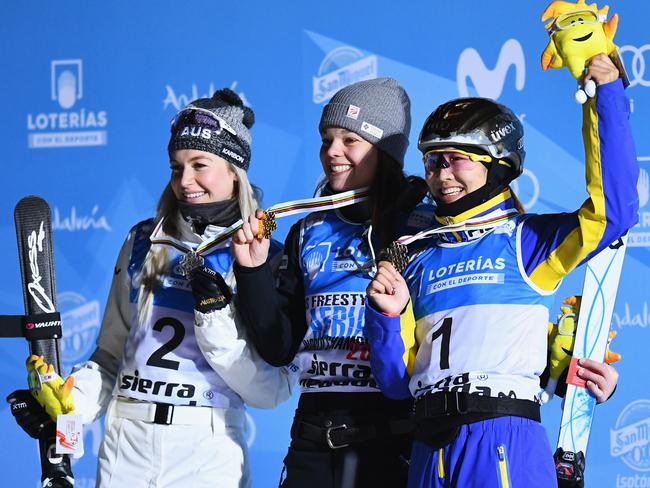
pixel 578 32
pixel 561 338
pixel 50 390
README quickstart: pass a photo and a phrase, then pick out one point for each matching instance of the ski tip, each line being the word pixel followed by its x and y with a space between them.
pixel 30 204
pixel 31 200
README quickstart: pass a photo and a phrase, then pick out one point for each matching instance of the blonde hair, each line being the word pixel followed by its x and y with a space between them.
pixel 156 262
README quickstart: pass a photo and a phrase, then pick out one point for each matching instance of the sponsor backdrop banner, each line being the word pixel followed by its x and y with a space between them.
pixel 89 89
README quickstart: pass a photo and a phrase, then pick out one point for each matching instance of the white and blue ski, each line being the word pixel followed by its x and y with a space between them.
pixel 598 298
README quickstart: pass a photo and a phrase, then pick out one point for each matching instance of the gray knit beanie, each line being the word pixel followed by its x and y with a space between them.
pixel 218 125
pixel 378 110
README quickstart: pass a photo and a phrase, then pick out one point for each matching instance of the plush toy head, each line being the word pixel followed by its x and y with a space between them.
pixel 578 32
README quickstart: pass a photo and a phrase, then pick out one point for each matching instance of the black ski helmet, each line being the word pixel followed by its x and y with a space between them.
pixel 483 124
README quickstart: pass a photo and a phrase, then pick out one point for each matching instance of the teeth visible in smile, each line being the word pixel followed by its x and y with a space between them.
pixel 450 191
pixel 340 168
pixel 195 195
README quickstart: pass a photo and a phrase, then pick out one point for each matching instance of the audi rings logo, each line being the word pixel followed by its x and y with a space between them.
pixel 634 59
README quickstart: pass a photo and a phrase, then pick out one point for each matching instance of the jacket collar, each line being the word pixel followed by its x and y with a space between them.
pixel 493 210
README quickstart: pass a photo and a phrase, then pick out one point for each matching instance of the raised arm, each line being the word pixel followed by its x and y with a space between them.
pixel 273 314
pixel 554 244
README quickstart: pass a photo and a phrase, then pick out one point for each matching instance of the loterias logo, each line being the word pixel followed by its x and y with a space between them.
pixel 73 126
pixel 342 67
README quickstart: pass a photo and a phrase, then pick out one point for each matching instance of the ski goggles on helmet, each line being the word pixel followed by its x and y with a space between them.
pixel 453 159
pixel 192 116
pixel 575 17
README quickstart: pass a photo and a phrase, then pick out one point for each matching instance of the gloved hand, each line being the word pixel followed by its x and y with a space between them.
pixel 29 415
pixel 50 390
pixel 209 289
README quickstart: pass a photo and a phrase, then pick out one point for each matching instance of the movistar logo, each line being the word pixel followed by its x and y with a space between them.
pixel 489 82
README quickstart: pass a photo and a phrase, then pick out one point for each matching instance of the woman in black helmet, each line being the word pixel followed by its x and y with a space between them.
pixel 480 287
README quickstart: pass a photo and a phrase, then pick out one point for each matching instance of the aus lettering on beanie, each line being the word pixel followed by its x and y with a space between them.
pixel 218 125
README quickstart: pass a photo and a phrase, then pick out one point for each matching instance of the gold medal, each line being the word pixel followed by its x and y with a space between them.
pixel 268 225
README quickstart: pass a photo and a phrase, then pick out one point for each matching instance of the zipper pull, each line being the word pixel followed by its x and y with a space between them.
pixel 501 451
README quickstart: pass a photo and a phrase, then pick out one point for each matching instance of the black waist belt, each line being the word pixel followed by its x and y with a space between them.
pixel 448 404
pixel 336 436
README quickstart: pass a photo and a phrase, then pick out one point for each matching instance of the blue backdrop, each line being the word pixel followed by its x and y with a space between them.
pixel 89 88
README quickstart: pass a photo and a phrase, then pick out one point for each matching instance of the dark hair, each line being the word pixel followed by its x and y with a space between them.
pixel 518 205
pixel 393 194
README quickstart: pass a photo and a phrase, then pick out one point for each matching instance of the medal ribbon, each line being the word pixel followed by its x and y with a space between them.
pixel 397 252
pixel 284 209
pixel 476 223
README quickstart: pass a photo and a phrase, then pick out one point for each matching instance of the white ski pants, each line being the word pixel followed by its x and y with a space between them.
pixel 202 447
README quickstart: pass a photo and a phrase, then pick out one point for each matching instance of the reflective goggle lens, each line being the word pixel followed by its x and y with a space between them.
pixel 196 116
pixel 453 159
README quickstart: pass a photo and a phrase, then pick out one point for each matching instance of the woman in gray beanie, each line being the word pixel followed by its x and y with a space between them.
pixel 345 432
pixel 172 369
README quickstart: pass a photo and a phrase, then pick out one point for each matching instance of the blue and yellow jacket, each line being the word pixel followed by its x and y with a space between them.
pixel 479 300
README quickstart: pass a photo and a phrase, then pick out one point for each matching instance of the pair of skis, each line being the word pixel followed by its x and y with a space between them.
pixel 41 324
pixel 598 298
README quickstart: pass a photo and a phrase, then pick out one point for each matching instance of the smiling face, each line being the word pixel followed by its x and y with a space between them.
pixel 582 36
pixel 201 177
pixel 348 160
pixel 461 177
